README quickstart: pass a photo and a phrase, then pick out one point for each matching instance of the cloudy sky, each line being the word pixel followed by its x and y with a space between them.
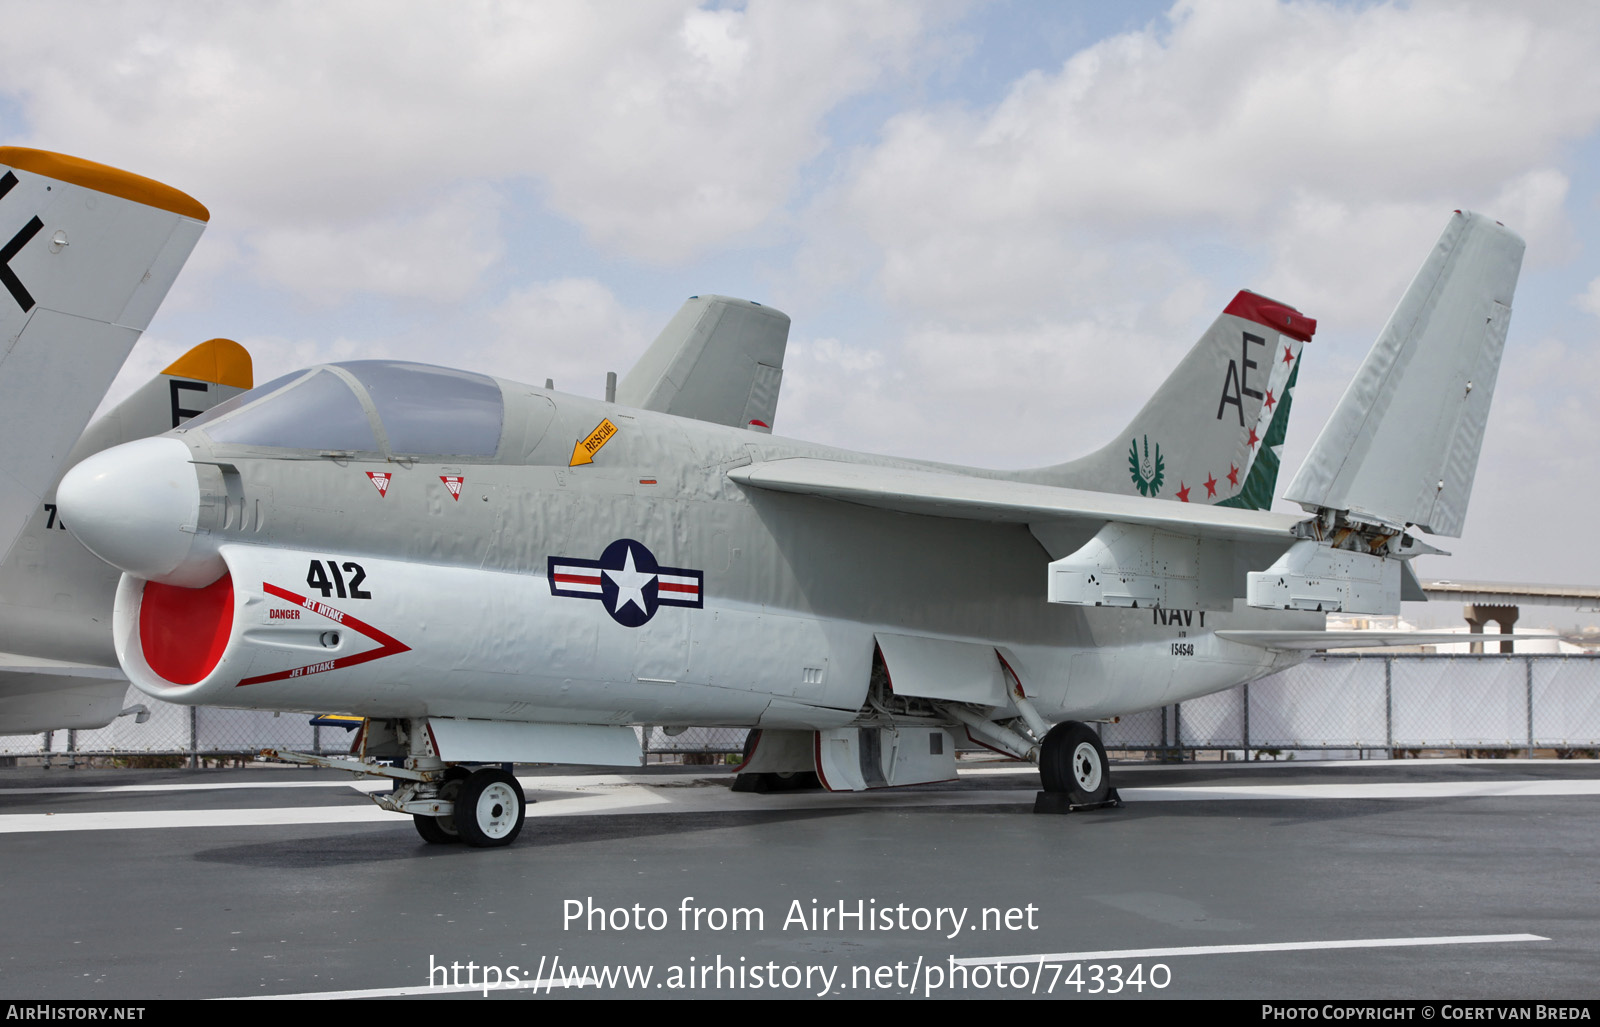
pixel 995 225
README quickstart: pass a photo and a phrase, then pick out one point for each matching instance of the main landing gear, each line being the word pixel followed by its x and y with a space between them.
pixel 1074 771
pixel 487 809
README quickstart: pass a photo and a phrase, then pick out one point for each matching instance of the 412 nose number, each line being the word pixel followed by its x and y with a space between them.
pixel 318 578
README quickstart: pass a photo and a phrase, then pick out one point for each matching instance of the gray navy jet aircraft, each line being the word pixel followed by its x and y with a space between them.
pixel 494 573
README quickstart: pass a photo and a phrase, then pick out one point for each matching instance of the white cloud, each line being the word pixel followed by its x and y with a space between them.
pixel 1024 396
pixel 1237 119
pixel 569 329
pixel 1589 299
pixel 437 254
pixel 662 128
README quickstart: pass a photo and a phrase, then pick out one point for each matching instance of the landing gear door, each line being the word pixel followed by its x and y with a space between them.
pixel 854 759
pixel 944 669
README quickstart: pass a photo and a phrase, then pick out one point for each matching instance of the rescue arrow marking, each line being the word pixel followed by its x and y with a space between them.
pixel 387 644
pixel 585 449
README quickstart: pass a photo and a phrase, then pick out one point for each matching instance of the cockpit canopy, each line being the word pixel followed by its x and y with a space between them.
pixel 365 406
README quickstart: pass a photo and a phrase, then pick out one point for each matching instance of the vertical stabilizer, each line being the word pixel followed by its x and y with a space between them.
pixel 1402 446
pixel 87 254
pixel 719 359
pixel 1213 431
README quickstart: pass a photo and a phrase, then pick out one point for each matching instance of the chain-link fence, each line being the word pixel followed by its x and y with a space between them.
pixel 1488 704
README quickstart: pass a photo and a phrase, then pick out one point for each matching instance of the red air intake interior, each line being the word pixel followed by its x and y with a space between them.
pixel 184 631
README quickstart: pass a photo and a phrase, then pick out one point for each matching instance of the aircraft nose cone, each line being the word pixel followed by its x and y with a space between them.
pixel 136 507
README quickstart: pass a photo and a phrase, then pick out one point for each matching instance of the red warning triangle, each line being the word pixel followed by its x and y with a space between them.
pixel 380 481
pixel 453 483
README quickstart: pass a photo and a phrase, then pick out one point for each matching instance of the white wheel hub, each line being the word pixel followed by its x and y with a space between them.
pixel 1086 768
pixel 496 811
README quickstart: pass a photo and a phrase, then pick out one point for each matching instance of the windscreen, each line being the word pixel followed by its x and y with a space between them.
pixel 433 410
pixel 317 412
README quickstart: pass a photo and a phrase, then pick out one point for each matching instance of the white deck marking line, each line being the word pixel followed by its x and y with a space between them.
pixel 209 786
pixel 1223 950
pixel 610 794
pixel 1371 790
pixel 417 989
pixel 113 820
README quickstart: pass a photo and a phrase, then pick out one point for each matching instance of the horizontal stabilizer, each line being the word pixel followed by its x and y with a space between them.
pixel 47 695
pixel 1402 446
pixel 1318 640
pixel 719 360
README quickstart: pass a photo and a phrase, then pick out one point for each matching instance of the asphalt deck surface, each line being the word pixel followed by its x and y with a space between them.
pixel 1406 879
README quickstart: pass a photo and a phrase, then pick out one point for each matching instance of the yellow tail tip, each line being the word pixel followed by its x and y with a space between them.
pixel 101 178
pixel 221 361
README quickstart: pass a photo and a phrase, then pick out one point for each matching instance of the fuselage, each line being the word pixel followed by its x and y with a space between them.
pixel 642 587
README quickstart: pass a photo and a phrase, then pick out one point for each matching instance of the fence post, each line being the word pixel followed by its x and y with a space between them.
pixel 1247 722
pixel 194 737
pixel 1527 663
pixel 1388 704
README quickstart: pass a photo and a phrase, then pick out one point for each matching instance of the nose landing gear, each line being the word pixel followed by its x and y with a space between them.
pixel 487 808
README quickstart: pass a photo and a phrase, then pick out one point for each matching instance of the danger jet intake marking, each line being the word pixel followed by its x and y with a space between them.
pixel 388 645
pixel 628 581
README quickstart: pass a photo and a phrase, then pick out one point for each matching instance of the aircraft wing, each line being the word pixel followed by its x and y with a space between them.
pixel 1119 550
pixel 945 494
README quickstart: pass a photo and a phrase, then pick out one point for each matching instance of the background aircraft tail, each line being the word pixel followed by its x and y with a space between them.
pixel 1213 431
pixel 87 254
pixel 57 663
pixel 1402 446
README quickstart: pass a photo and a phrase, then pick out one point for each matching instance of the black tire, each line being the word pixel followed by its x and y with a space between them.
pixel 1073 761
pixel 442 830
pixel 765 783
pixel 431 831
pixel 490 808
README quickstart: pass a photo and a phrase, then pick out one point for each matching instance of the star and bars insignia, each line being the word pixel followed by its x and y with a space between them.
pixel 628 581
